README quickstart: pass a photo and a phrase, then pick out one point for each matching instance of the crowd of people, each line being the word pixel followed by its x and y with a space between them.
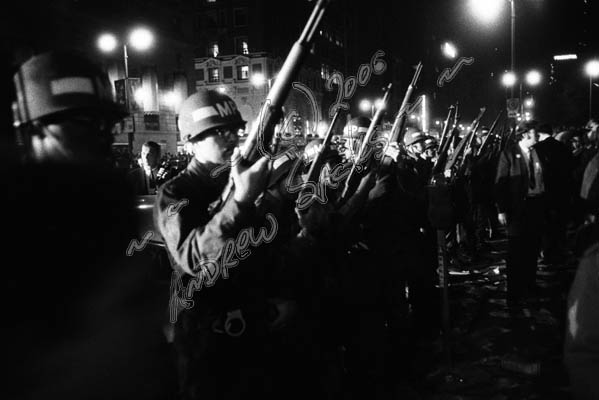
pixel 275 300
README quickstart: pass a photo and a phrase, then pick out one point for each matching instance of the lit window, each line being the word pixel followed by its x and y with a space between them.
pixel 213 75
pixel 241 45
pixel 243 72
pixel 214 49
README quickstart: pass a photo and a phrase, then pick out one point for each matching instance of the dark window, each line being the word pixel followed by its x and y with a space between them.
pixel 152 122
pixel 201 74
pixel 240 17
pixel 228 72
pixel 222 19
pixel 256 68
pixel 210 20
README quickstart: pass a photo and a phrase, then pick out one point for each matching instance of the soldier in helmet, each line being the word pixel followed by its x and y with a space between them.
pixel 86 328
pixel 233 334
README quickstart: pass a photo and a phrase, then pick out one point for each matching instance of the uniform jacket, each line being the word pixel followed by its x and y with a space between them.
pixel 557 163
pixel 511 181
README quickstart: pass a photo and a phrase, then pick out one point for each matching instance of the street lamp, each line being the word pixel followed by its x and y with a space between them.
pixel 508 79
pixel 140 39
pixel 488 10
pixel 533 78
pixel 592 70
pixel 449 50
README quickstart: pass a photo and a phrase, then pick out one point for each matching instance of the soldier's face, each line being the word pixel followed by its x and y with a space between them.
pixel 217 147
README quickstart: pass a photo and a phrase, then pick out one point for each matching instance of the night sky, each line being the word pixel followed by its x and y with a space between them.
pixel 413 31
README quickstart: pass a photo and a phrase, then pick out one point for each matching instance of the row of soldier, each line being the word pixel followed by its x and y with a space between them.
pixel 332 304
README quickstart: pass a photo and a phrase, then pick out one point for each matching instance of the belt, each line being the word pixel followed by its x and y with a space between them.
pixel 233 324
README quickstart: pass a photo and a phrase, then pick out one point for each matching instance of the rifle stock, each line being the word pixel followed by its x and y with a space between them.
pixel 262 131
pixel 397 130
pixel 443 142
pixel 489 134
pixel 360 163
pixel 318 162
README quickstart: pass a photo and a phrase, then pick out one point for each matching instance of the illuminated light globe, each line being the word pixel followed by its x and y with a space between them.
pixel 486 10
pixel 450 50
pixel 141 39
pixel 508 79
pixel 258 79
pixel 533 78
pixel 107 42
pixel 172 99
pixel 141 96
pixel 321 130
pixel 379 104
pixel 592 68
pixel 365 105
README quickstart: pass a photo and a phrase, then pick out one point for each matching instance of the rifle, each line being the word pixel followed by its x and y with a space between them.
pixel 489 134
pixel 397 130
pixel 361 159
pixel 263 130
pixel 465 143
pixel 473 129
pixel 443 142
pixel 318 162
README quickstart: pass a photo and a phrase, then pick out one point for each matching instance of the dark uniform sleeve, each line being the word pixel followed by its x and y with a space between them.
pixel 190 234
pixel 502 183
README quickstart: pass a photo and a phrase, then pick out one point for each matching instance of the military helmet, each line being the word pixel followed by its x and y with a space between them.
pixel 430 143
pixel 356 128
pixel 205 110
pixel 57 82
pixel 413 136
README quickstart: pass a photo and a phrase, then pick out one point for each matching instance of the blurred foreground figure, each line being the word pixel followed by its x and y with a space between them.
pixel 582 333
pixel 86 324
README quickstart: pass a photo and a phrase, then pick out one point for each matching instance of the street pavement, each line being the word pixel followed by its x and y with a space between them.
pixel 498 353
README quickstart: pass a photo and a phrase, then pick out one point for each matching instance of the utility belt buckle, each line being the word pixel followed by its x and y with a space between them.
pixel 234 325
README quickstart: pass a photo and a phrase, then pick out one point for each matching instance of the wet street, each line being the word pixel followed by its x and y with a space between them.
pixel 498 353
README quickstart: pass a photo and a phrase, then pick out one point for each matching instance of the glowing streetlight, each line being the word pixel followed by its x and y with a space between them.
pixel 449 50
pixel 508 79
pixel 321 129
pixel 107 42
pixel 592 70
pixel 486 10
pixel 258 79
pixel 378 104
pixel 222 89
pixel 172 99
pixel 489 10
pixel 365 105
pixel 533 78
pixel 141 39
